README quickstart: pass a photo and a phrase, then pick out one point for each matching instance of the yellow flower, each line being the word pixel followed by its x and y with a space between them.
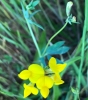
pixel 33 73
pixel 56 68
pixel 44 80
pixel 44 84
pixel 57 79
pixel 28 89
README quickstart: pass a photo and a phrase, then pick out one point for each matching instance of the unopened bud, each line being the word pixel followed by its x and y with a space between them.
pixel 73 19
pixel 68 7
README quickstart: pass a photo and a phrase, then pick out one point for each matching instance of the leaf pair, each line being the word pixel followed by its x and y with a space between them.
pixel 57 48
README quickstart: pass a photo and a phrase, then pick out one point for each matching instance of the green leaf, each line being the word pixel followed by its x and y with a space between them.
pixel 7 58
pixel 22 43
pixel 31 15
pixel 60 50
pixel 27 16
pixel 35 3
pixel 42 40
pixel 75 91
pixel 32 4
pixel 42 44
pixel 39 26
pixel 10 40
pixel 56 45
pixel 25 12
pixel 2 27
pixel 56 92
pixel 57 48
pixel 10 94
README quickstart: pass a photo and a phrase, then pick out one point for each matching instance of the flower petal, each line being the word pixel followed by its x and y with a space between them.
pixel 40 83
pixel 37 72
pixel 44 92
pixel 57 79
pixel 44 81
pixel 61 67
pixel 37 69
pixel 34 91
pixel 25 74
pixel 48 82
pixel 52 64
pixel 59 82
pixel 27 90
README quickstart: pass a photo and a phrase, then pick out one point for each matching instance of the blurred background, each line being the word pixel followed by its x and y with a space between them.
pixel 17 50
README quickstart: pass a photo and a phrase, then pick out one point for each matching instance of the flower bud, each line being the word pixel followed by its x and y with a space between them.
pixel 73 19
pixel 68 7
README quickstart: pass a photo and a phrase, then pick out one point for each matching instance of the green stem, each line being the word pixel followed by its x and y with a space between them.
pixel 82 50
pixel 33 37
pixel 83 46
pixel 54 37
pixel 82 55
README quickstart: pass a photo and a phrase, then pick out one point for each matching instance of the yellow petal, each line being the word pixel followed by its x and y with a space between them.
pixel 24 85
pixel 34 91
pixel 34 78
pixel 59 82
pixel 37 72
pixel 61 67
pixel 48 82
pixel 25 74
pixel 44 81
pixel 57 79
pixel 37 69
pixel 27 91
pixel 40 83
pixel 44 92
pixel 52 64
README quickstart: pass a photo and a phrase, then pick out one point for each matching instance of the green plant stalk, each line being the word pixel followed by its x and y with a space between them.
pixel 54 37
pixel 33 37
pixel 82 56
pixel 75 67
pixel 83 46
pixel 56 93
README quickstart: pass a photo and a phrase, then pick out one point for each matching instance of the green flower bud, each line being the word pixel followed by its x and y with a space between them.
pixel 68 7
pixel 73 20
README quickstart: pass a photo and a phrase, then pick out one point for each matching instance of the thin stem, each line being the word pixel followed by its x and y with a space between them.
pixel 33 37
pixel 82 50
pixel 82 55
pixel 83 46
pixel 54 37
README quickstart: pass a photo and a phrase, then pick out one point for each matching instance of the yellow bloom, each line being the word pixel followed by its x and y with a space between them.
pixel 56 67
pixel 57 79
pixel 33 73
pixel 44 79
pixel 44 84
pixel 28 89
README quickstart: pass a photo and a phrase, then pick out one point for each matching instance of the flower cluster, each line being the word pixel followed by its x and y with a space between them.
pixel 42 79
